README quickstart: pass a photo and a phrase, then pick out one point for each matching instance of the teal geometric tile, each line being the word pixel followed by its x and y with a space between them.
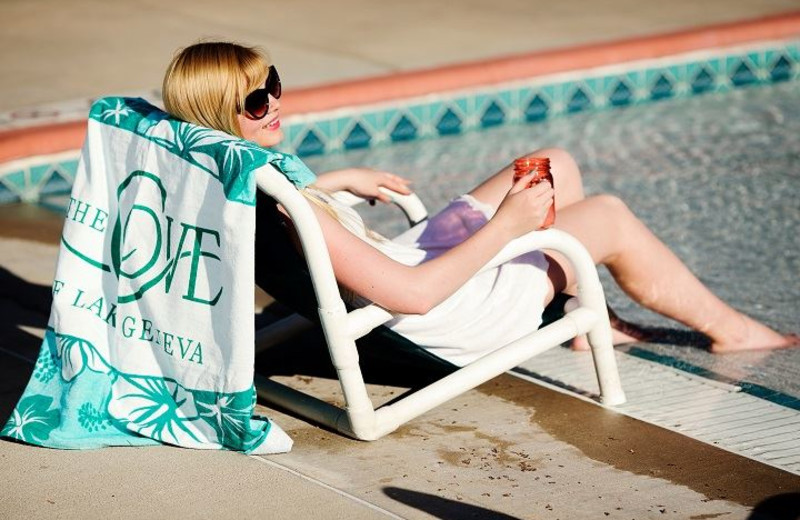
pixel 717 66
pixel 743 74
pixel 593 87
pixel 422 117
pixel 757 59
pixel 403 130
pixel 662 87
pixel 781 69
pixel 770 55
pixel 56 184
pixel 38 173
pixel 481 100
pixel 340 126
pixel 621 95
pixel 555 97
pixel 420 113
pixel 328 130
pixel 494 115
pixel 311 144
pixel 372 121
pixel 678 73
pixel 449 123
pixel 358 137
pixel 7 196
pixel 537 109
pixel 67 168
pixel 57 171
pixel 291 132
pixel 703 81
pixel 15 181
pixel 793 51
pixel 509 98
pixel 524 94
pixel 637 80
pixel 567 90
pixel 579 100
pixel 466 106
pixel 389 115
pixel 435 109
pixel 465 109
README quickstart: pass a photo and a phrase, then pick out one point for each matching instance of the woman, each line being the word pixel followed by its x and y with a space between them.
pixel 428 274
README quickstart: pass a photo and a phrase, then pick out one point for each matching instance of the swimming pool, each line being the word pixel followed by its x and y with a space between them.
pixel 716 177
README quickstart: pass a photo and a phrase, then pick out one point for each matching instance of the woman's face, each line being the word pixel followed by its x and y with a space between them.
pixel 266 131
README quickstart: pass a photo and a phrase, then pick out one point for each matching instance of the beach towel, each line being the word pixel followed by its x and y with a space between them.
pixel 151 331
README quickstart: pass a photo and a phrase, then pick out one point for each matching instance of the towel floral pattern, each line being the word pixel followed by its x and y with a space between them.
pixel 76 354
pixel 157 408
pixel 46 367
pixel 154 407
pixel 32 420
pixel 91 418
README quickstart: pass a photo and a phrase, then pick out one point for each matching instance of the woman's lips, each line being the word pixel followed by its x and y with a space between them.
pixel 274 124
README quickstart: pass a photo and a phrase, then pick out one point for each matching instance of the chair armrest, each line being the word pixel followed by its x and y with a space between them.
pixel 589 289
pixel 411 205
pixel 546 239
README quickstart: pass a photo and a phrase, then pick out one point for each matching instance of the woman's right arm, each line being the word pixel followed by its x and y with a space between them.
pixel 416 289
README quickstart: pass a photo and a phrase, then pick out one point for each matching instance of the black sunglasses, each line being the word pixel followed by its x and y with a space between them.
pixel 256 104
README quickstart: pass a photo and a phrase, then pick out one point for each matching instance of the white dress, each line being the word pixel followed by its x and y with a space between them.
pixel 492 309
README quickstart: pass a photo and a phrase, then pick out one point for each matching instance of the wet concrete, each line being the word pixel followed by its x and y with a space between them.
pixel 514 449
pixel 631 445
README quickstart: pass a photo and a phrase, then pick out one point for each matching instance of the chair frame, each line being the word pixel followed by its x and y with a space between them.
pixel 359 418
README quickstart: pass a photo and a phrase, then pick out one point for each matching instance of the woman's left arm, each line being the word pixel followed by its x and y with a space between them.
pixel 363 182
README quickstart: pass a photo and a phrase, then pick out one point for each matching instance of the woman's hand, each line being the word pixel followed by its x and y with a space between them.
pixel 524 209
pixel 364 182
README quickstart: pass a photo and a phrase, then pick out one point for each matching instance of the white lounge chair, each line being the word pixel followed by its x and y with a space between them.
pixel 342 327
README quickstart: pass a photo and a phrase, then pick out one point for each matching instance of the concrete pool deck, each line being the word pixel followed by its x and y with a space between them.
pixel 506 450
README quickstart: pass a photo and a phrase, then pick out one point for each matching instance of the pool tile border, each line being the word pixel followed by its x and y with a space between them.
pixel 455 112
pixel 543 98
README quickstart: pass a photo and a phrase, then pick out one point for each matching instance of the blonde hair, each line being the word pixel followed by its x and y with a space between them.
pixel 206 83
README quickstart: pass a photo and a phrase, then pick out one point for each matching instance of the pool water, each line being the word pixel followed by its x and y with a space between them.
pixel 716 177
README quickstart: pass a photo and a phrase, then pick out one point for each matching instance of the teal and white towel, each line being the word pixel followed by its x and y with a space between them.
pixel 150 337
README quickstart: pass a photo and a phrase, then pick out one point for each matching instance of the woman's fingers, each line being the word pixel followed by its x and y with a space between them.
pixel 542 189
pixel 396 183
pixel 521 183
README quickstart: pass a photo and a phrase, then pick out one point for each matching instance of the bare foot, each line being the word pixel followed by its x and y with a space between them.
pixel 752 335
pixel 622 332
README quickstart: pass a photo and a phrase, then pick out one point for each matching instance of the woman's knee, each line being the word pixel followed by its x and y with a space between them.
pixel 615 212
pixel 603 223
pixel 611 204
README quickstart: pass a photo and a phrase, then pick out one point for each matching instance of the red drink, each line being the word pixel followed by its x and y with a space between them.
pixel 541 168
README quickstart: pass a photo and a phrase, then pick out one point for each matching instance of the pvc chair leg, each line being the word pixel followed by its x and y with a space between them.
pixel 344 355
pixel 590 295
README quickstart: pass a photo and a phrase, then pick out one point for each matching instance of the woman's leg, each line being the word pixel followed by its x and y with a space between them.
pixel 653 276
pixel 567 180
